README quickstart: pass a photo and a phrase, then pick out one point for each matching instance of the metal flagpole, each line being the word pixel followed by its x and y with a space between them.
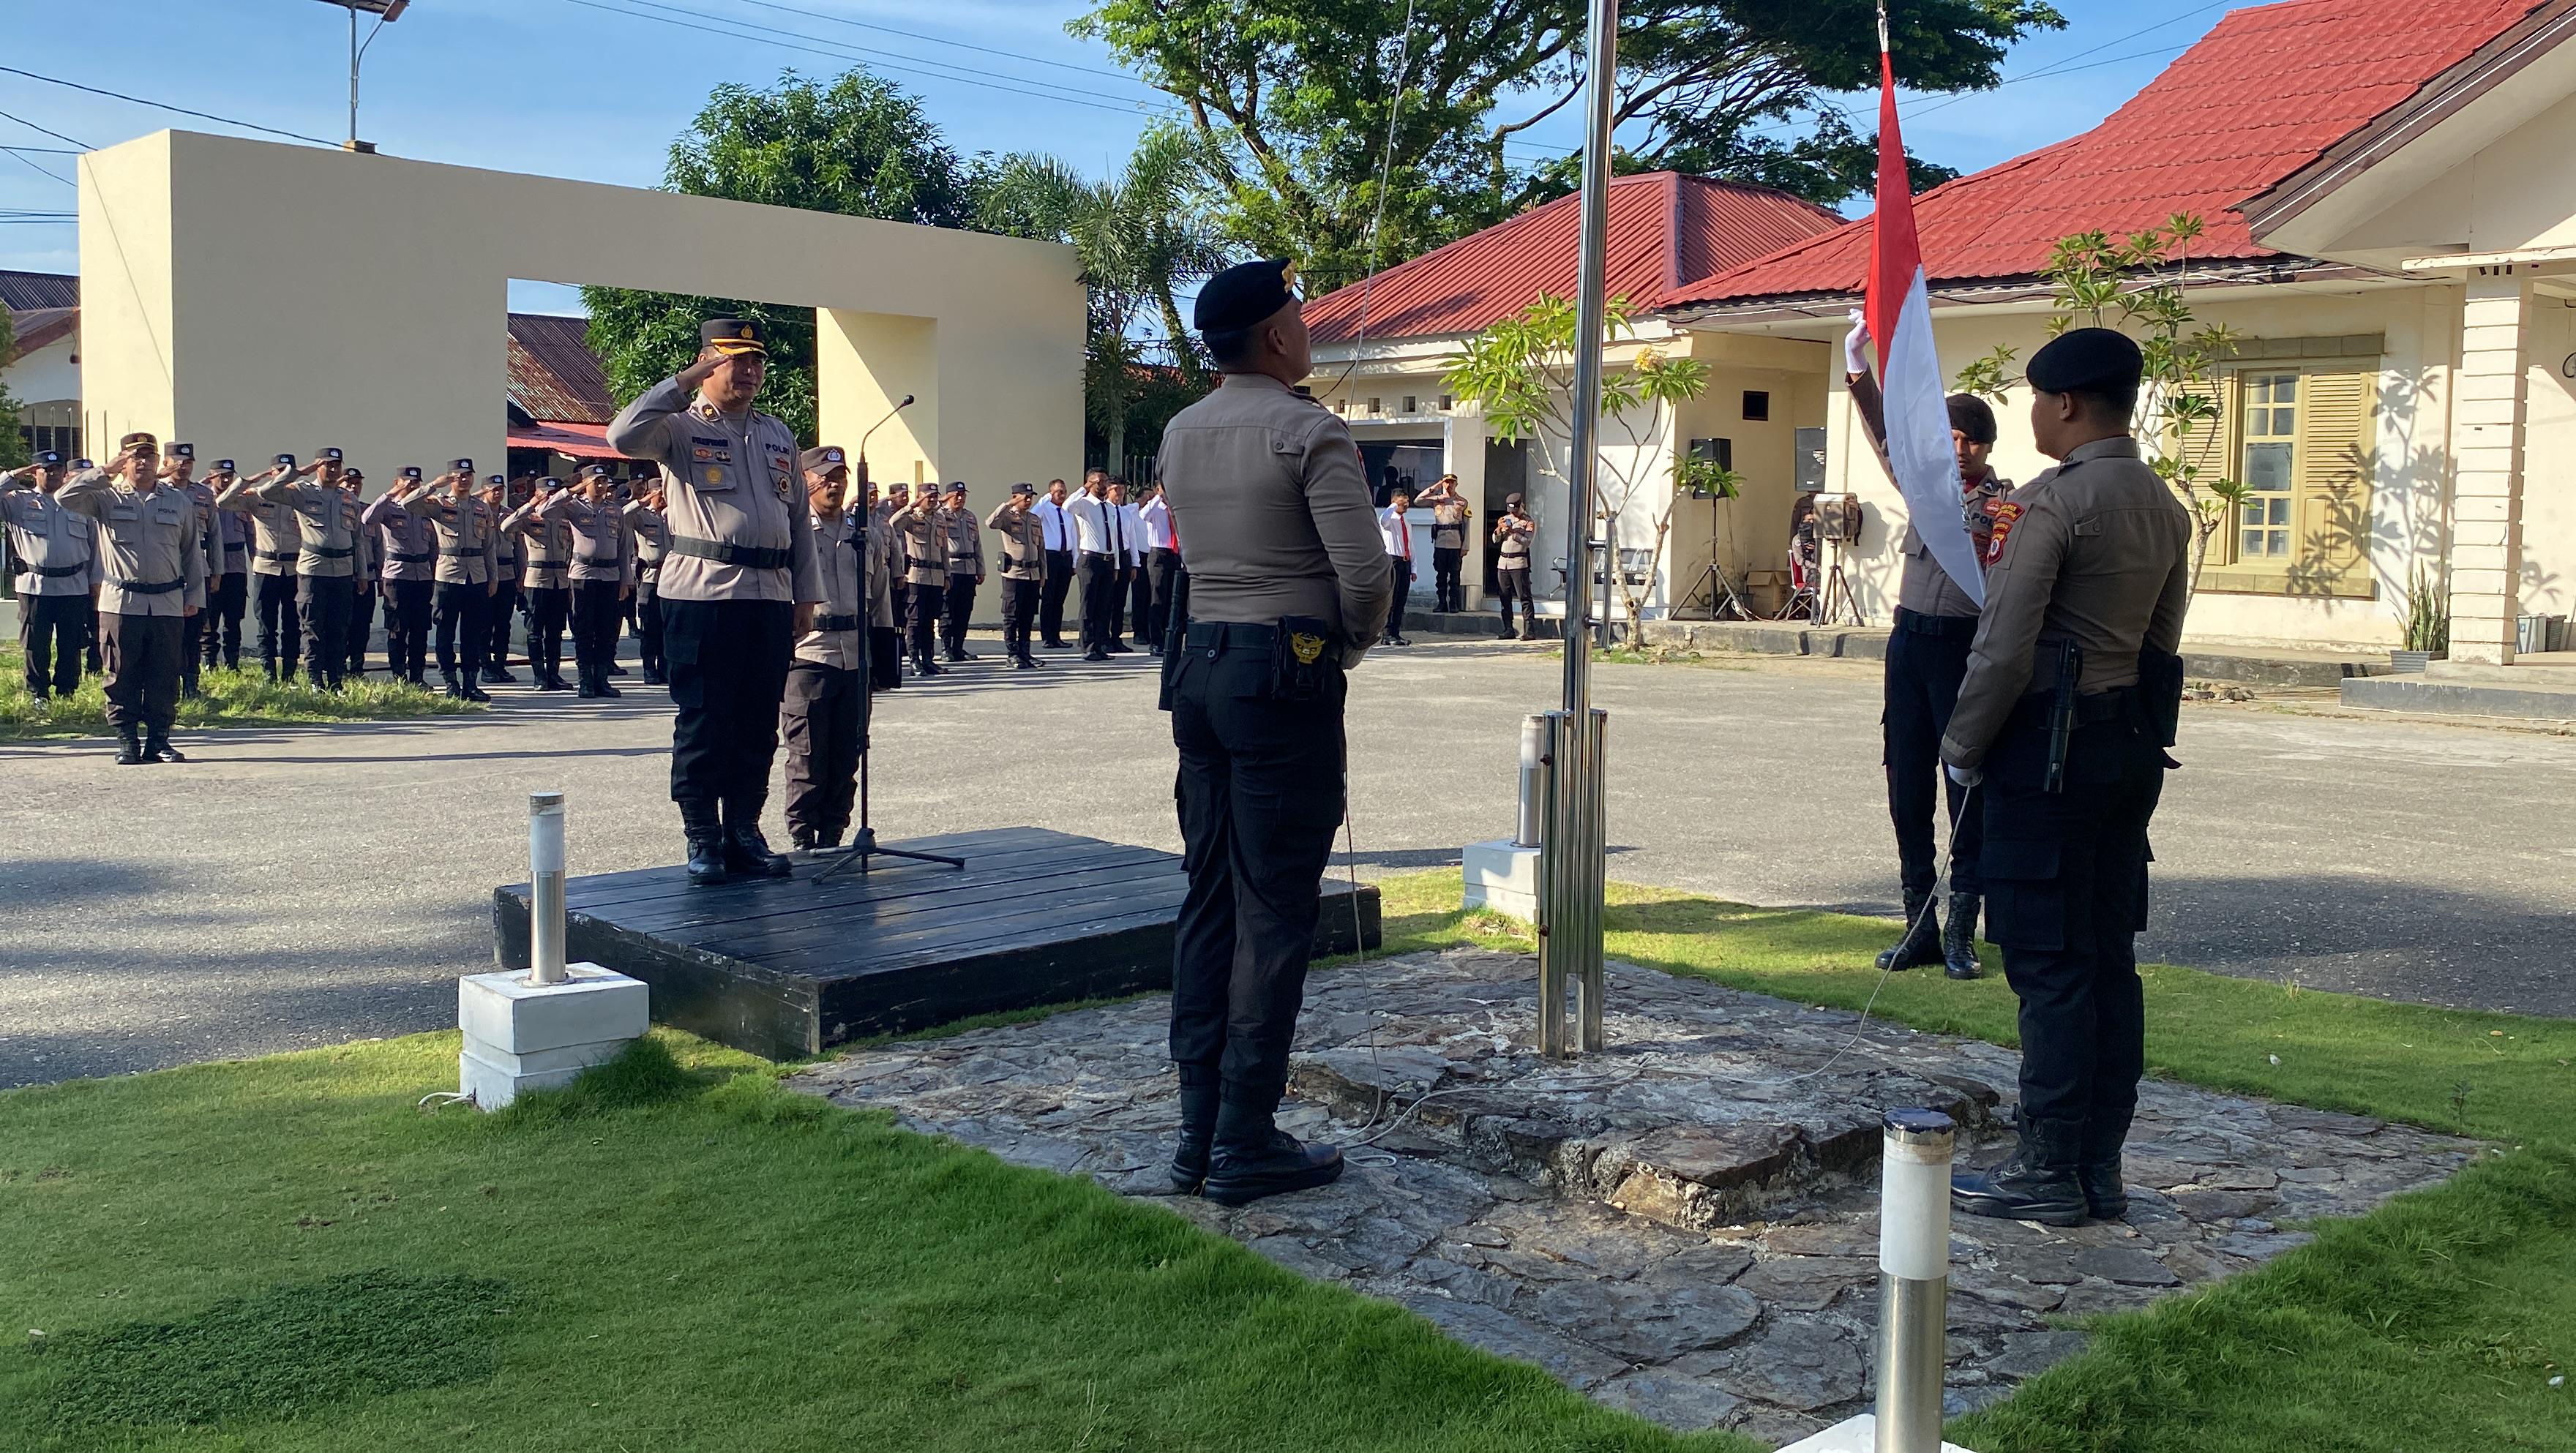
pixel 1570 853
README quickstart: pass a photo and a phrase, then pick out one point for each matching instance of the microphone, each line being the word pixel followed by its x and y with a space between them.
pixel 879 424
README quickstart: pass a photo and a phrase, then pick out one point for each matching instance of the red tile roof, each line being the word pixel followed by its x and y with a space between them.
pixel 581 441
pixel 553 374
pixel 1665 228
pixel 2266 91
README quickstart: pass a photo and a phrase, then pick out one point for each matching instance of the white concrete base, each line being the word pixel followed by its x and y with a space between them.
pixel 1502 877
pixel 521 1036
pixel 1851 1435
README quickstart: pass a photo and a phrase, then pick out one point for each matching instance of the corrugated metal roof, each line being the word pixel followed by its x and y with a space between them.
pixel 581 441
pixel 2262 95
pixel 1665 228
pixel 20 291
pixel 34 328
pixel 553 373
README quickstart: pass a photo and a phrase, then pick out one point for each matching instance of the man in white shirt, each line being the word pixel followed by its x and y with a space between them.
pixel 1104 548
pixel 1059 563
pixel 1162 556
pixel 1398 534
pixel 1138 602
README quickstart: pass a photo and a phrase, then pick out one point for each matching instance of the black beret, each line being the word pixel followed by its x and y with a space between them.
pixel 2091 360
pixel 1244 294
pixel 824 458
pixel 733 336
pixel 1974 417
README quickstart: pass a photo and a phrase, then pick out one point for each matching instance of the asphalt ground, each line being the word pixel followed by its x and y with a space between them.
pixel 299 886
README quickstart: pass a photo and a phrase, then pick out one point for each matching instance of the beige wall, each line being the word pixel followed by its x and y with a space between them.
pixel 259 298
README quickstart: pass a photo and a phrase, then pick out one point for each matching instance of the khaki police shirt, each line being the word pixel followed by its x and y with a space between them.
pixel 1023 541
pixel 407 540
pixel 839 622
pixel 53 544
pixel 508 553
pixel 726 480
pixel 2096 551
pixel 145 537
pixel 965 542
pixel 1273 512
pixel 921 542
pixel 652 537
pixel 463 532
pixel 545 541
pixel 599 549
pixel 884 558
pixel 327 528
pixel 1512 535
pixel 275 533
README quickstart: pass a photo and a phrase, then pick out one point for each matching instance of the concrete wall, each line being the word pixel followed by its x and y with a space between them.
pixel 259 298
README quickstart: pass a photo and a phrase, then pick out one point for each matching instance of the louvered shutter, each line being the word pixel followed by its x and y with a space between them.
pixel 2337 434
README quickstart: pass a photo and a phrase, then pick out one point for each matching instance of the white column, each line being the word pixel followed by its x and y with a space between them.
pixel 1463 445
pixel 2486 469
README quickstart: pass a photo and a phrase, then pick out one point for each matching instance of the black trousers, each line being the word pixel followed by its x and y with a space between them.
pixel 885 658
pixel 648 629
pixel 1927 658
pixel 1019 614
pixel 1163 567
pixel 496 619
pixel 219 642
pixel 461 615
pixel 1059 579
pixel 728 678
pixel 1140 603
pixel 2066 894
pixel 1260 792
pixel 549 609
pixel 1514 585
pixel 326 602
pixel 192 641
pixel 823 716
pixel 280 624
pixel 1118 590
pixel 1402 569
pixel 140 655
pixel 957 610
pixel 922 605
pixel 408 604
pixel 1447 590
pixel 1099 601
pixel 362 624
pixel 53 635
pixel 597 612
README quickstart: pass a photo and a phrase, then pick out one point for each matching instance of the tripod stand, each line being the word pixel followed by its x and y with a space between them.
pixel 863 842
pixel 1724 602
pixel 1834 597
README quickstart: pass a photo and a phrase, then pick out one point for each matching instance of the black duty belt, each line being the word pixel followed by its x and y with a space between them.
pixel 147 587
pixel 57 572
pixel 836 623
pixel 750 557
pixel 468 553
pixel 422 558
pixel 1206 635
pixel 325 553
pixel 1944 628
pixel 280 557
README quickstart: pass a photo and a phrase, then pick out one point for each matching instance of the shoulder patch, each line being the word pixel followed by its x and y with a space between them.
pixel 2004 513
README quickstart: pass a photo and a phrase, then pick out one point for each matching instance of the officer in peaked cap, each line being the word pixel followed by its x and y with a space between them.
pixel 738 586
pixel 2070 699
pixel 826 710
pixel 1289 585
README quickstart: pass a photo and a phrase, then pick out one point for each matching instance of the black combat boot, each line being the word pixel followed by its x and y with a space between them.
pixel 1198 1132
pixel 472 692
pixel 1252 1157
pixel 2036 1183
pixel 599 685
pixel 129 752
pixel 1959 938
pixel 706 842
pixel 1922 941
pixel 2099 1170
pixel 497 675
pixel 746 852
pixel 157 748
pixel 589 678
pixel 454 687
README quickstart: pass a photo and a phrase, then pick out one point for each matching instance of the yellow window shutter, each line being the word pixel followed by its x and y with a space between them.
pixel 2336 458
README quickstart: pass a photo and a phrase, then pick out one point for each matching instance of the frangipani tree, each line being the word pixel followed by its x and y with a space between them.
pixel 1520 371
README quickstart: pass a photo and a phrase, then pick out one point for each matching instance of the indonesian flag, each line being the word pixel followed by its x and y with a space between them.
pixel 1909 370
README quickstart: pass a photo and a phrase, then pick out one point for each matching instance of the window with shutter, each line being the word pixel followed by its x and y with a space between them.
pixel 2299 437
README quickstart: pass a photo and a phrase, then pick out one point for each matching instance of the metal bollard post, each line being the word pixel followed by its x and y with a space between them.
pixel 1533 747
pixel 545 887
pixel 1913 1277
pixel 1570 882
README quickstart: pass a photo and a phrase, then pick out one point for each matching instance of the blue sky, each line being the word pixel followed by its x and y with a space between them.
pixel 597 89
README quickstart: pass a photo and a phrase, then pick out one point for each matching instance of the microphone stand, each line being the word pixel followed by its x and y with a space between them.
pixel 863 842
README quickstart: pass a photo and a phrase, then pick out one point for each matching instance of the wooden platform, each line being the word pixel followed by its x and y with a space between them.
pixel 785 967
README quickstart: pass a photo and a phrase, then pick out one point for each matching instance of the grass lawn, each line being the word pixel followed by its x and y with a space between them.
pixel 230 698
pixel 286 1254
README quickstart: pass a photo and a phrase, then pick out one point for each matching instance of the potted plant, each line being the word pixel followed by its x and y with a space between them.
pixel 2428 625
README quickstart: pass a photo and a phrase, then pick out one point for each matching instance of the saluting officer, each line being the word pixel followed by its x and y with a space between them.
pixel 326 561
pixel 1024 567
pixel 2086 585
pixel 501 495
pixel 885 588
pixel 58 574
pixel 602 574
pixel 825 712
pixel 739 586
pixel 275 535
pixel 545 579
pixel 921 535
pixel 652 539
pixel 408 540
pixel 965 540
pixel 1289 584
pixel 366 580
pixel 466 534
pixel 153 577
pixel 179 470
pixel 228 597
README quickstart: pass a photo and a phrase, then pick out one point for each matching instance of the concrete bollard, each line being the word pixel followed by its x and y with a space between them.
pixel 1502 876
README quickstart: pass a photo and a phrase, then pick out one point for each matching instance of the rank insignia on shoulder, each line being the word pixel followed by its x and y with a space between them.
pixel 1308 649
pixel 2004 513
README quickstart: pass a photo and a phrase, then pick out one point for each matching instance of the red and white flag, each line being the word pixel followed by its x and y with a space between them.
pixel 1899 312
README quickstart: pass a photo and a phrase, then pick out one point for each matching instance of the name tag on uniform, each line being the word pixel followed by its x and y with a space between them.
pixel 125 511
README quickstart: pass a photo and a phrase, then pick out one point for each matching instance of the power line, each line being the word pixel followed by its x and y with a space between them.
pixel 32 165
pixel 962 71
pixel 939 40
pixel 2058 71
pixel 32 126
pixel 41 150
pixel 158 106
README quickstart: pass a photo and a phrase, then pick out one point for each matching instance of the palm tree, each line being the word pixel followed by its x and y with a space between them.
pixel 1140 239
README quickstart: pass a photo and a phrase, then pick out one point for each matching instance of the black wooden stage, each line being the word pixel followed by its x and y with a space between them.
pixel 785 967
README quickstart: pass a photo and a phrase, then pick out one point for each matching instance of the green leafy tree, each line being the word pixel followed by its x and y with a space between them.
pixel 857 145
pixel 1141 241
pixel 1520 372
pixel 13 446
pixel 1293 99
pixel 2137 285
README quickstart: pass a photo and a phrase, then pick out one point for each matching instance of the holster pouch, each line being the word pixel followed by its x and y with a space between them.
pixel 1304 658
pixel 1176 638
pixel 2160 693
pixel 2061 706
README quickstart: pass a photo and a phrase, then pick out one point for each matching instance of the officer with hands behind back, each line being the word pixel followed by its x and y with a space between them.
pixel 1289 584
pixel 2070 699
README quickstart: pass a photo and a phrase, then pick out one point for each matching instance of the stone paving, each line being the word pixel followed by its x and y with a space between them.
pixel 1685 1225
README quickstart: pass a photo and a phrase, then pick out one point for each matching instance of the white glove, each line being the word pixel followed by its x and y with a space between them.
pixel 1856 349
pixel 1967 776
